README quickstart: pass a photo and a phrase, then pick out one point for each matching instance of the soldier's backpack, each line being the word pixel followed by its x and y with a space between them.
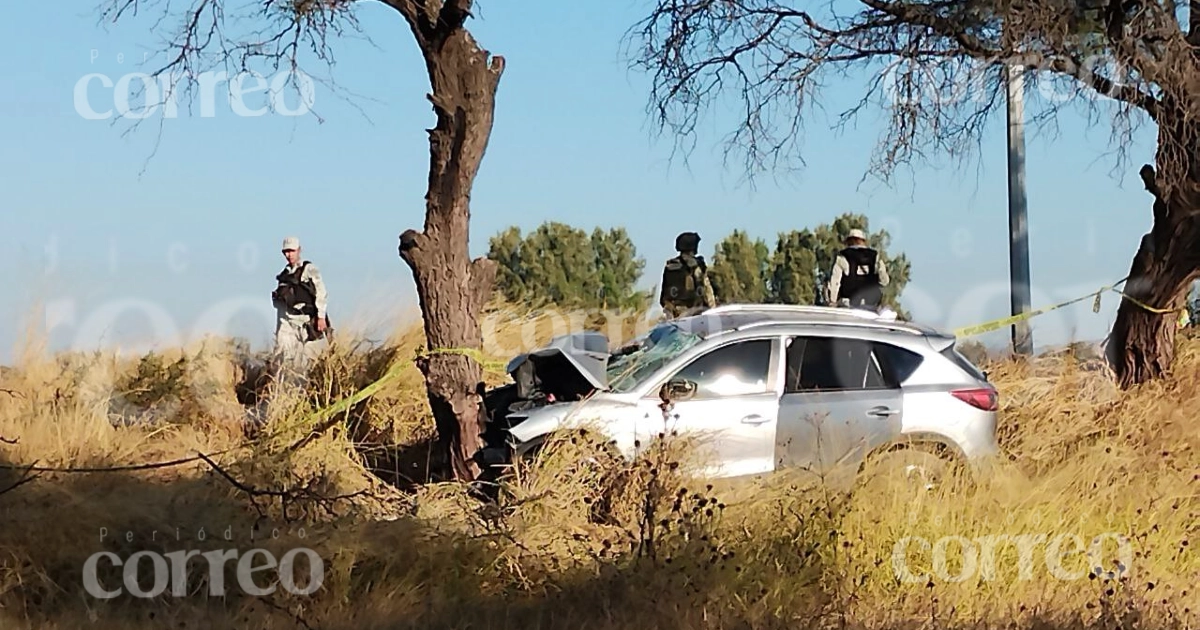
pixel 679 281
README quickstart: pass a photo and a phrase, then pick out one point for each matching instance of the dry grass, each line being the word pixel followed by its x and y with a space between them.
pixel 1084 460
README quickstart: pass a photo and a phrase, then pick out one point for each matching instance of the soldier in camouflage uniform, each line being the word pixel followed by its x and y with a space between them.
pixel 686 289
pixel 300 301
pixel 859 275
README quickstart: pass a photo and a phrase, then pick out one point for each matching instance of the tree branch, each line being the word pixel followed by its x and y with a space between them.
pixel 288 497
pixel 431 24
pixel 213 35
pixel 1104 86
pixel 483 278
pixel 417 16
pixel 917 15
pixel 25 478
pixel 931 65
pixel 1059 61
pixel 413 245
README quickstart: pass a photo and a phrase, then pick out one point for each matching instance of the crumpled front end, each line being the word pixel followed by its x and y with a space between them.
pixel 567 370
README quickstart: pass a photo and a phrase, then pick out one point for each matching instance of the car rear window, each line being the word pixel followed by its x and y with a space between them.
pixel 958 359
pixel 898 363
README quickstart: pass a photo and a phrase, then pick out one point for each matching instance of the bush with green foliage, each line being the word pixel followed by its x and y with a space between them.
pixel 564 266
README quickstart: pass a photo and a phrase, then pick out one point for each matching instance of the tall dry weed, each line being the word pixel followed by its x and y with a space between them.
pixel 576 538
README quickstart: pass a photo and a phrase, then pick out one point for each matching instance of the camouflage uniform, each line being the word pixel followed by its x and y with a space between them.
pixel 295 325
pixel 687 261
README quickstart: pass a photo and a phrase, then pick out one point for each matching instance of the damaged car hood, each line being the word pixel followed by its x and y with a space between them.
pixel 575 414
pixel 586 352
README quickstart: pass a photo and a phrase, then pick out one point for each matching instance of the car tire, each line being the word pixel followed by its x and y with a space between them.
pixel 918 467
pixel 610 467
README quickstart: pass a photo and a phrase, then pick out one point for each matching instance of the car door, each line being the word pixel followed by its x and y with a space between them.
pixel 836 405
pixel 731 418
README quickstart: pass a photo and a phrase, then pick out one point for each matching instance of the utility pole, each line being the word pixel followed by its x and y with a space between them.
pixel 1018 224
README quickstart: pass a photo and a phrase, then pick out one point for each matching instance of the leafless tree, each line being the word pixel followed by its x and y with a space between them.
pixel 463 77
pixel 935 66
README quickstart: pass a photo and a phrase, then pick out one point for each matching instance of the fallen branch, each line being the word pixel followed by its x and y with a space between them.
pixel 295 617
pixel 8 441
pixel 127 468
pixel 26 477
pixel 296 496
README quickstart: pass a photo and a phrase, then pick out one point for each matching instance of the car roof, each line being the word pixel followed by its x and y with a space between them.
pixel 734 317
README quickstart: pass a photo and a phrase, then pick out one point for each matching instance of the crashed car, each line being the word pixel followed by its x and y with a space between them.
pixel 765 387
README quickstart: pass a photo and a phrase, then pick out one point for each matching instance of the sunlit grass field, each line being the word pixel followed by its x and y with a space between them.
pixel 1098 497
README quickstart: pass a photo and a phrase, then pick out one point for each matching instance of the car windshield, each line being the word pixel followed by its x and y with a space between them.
pixel 637 361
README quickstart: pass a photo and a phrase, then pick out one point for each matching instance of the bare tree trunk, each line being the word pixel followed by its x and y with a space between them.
pixel 451 287
pixel 1141 347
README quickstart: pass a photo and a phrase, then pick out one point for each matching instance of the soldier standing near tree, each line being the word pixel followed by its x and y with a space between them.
pixel 300 301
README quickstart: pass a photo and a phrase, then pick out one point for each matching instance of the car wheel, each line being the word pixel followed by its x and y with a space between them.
pixel 605 465
pixel 601 458
pixel 917 469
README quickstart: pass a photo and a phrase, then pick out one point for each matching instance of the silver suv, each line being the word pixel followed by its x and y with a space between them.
pixel 773 386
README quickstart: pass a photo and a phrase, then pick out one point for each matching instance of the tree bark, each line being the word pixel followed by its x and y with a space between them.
pixel 1141 347
pixel 451 287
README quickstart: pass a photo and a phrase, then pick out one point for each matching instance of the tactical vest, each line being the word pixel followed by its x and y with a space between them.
pixel 293 292
pixel 861 285
pixel 679 280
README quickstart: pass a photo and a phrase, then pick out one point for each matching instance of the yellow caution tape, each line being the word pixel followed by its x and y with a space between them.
pixel 997 324
pixel 497 367
pixel 488 365
pixel 370 390
pixel 970 331
pixel 345 403
pixel 1160 311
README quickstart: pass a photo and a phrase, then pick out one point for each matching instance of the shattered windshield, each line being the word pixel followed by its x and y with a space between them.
pixel 637 361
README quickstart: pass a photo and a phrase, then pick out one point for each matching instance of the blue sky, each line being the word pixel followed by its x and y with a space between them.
pixel 193 241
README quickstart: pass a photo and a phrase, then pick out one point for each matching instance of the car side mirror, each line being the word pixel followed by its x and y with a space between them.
pixel 677 389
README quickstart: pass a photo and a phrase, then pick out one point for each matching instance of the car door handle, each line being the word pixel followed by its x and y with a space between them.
pixel 882 412
pixel 754 419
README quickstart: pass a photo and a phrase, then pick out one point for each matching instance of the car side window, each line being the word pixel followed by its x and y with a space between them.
pixel 898 364
pixel 833 364
pixel 734 370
